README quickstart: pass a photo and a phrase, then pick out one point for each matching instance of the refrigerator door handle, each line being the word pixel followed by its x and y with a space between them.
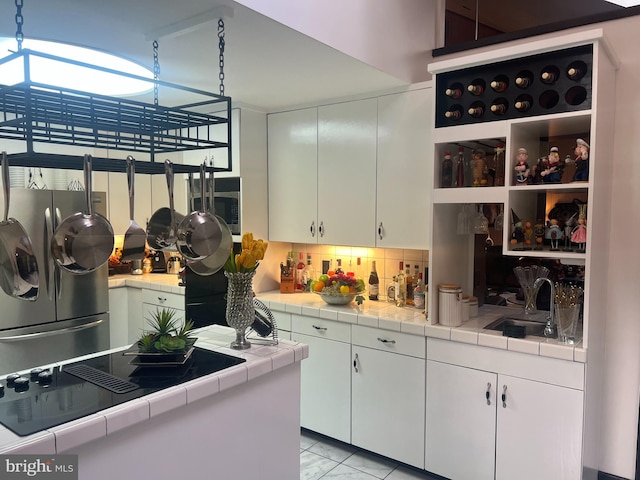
pixel 50 333
pixel 50 267
pixel 56 269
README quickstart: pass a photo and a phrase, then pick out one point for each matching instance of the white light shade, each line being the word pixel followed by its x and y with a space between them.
pixel 66 75
pixel 625 3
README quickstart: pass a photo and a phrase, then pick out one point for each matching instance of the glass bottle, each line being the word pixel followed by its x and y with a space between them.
pixel 460 168
pixel 299 273
pixel 476 87
pixel 338 266
pixel 308 274
pixel 401 287
pixel 446 179
pixel 499 107
pixel 453 92
pixel 374 282
pixel 419 293
pixel 454 113
pixel 409 281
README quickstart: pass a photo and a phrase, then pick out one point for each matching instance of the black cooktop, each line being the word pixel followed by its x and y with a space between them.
pixel 27 408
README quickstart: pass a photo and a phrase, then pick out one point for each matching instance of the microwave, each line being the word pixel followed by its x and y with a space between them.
pixel 226 201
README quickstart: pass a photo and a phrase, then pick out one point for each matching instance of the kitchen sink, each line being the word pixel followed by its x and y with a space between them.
pixel 517 327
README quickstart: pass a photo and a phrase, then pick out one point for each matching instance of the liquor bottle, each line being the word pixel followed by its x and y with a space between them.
pixel 549 75
pixel 374 282
pixel 299 272
pixel 453 92
pixel 401 287
pixel 446 178
pixel 419 293
pixel 576 70
pixel 358 271
pixel 476 110
pixel 308 274
pixel 498 85
pixel 409 281
pixel 460 168
pixel 524 79
pixel 454 113
pixel 522 105
pixel 499 107
pixel 338 267
pixel 476 87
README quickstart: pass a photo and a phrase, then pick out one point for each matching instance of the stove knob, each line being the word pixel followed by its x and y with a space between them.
pixel 11 378
pixel 21 384
pixel 45 377
pixel 35 372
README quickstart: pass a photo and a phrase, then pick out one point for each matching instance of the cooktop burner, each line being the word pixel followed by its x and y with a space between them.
pixel 48 398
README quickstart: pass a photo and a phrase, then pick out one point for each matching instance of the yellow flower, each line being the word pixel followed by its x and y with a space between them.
pixel 247 238
pixel 252 252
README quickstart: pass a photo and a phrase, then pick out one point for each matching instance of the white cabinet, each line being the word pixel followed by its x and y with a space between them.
pixel 347 173
pixel 118 317
pixel 473 432
pixel 156 300
pixel 404 166
pixel 388 394
pixel 293 176
pixel 326 376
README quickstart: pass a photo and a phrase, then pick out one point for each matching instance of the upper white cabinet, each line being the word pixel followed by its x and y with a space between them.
pixel 352 173
pixel 404 166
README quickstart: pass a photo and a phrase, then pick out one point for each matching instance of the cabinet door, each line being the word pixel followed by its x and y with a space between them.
pixel 325 396
pixel 118 317
pixel 293 176
pixel 405 160
pixel 347 172
pixel 388 404
pixel 460 436
pixel 539 431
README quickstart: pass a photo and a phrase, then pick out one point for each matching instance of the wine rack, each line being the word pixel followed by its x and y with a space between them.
pixel 542 84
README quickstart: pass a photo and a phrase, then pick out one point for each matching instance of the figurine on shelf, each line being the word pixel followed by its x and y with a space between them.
pixel 538 231
pixel 568 230
pixel 528 234
pixel 498 161
pixel 553 172
pixel 522 167
pixel 579 235
pixel 479 168
pixel 582 161
pixel 554 233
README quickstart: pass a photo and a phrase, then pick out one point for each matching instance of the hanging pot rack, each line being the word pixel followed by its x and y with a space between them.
pixel 39 114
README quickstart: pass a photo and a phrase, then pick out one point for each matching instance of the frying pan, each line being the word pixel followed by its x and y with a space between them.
pixel 199 233
pixel 161 229
pixel 83 242
pixel 213 263
pixel 135 238
pixel 19 275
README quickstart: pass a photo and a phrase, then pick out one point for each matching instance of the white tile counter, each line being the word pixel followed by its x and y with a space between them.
pixel 163 282
pixel 94 435
pixel 408 319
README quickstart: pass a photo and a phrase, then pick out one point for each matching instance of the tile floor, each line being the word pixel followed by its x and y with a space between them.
pixel 322 457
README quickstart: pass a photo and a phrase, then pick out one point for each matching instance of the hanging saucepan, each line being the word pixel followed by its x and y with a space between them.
pixel 83 242
pixel 161 229
pixel 213 263
pixel 19 275
pixel 199 233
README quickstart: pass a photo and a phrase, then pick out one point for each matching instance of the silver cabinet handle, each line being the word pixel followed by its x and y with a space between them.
pixel 380 230
pixel 384 340
pixel 488 394
pixel 162 299
pixel 321 229
pixel 312 229
pixel 355 363
pixel 319 328
pixel 504 396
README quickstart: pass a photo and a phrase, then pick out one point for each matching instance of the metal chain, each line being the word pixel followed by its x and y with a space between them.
pixel 19 22
pixel 221 55
pixel 156 72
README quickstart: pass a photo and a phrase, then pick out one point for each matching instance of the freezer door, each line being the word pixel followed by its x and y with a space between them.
pixel 29 347
pixel 79 295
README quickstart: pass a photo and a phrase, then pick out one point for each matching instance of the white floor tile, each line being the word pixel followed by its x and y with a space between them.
pixel 371 464
pixel 313 467
pixel 336 451
pixel 308 439
pixel 343 472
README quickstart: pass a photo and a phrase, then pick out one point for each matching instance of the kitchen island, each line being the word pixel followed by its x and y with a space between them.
pixel 241 422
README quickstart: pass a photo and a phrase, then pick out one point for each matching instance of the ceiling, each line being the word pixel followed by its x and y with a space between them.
pixel 267 65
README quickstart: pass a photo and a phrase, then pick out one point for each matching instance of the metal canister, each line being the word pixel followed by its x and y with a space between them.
pixel 450 304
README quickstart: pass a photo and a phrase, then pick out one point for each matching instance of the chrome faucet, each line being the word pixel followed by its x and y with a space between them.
pixel 550 330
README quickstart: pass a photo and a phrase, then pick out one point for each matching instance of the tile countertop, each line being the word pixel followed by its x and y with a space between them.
pixel 261 359
pixel 156 281
pixel 410 320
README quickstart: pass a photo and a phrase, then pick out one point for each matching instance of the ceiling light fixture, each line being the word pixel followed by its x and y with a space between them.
pixel 624 3
pixel 72 75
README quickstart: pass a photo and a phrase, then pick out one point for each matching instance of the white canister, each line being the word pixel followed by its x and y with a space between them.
pixel 450 304
pixel 465 308
pixel 473 306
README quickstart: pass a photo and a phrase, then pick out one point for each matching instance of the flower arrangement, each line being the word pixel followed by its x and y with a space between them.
pixel 248 260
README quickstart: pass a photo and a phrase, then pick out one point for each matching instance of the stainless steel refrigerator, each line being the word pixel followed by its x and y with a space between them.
pixel 70 316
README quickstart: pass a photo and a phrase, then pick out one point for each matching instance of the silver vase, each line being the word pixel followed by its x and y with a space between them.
pixel 240 312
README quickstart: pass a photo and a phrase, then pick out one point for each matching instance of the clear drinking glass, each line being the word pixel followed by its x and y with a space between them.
pixel 567 322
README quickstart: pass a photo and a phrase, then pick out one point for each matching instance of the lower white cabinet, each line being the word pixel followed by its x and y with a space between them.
pixel 388 394
pixel 485 421
pixel 325 397
pixel 156 300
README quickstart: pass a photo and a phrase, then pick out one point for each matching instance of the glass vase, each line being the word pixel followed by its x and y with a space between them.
pixel 240 311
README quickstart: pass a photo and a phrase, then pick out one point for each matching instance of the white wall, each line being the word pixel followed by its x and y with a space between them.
pixel 622 347
pixel 395 40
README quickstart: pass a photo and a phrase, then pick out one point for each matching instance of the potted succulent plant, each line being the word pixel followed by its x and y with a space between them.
pixel 165 336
